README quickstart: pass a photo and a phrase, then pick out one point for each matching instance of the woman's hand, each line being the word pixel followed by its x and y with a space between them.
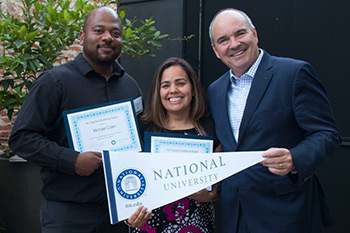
pixel 139 217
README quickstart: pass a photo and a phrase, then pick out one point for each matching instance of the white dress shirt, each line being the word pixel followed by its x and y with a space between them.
pixel 238 93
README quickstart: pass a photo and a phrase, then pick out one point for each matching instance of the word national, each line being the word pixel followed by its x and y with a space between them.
pixel 192 168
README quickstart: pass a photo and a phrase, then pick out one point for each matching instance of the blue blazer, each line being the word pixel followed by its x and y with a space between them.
pixel 286 107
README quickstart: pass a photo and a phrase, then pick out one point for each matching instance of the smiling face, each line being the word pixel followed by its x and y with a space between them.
pixel 235 43
pixel 176 91
pixel 102 37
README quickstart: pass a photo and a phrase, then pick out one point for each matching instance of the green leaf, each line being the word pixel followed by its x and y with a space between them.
pixel 71 22
pixel 19 69
pixel 13 67
pixel 66 4
pixel 128 32
pixel 31 35
pixel 4 59
pixel 6 83
pixel 66 15
pixel 156 44
pixel 37 6
pixel 128 23
pixel 18 43
pixel 23 31
pixel 152 28
pixel 121 15
pixel 51 10
pixel 156 34
pixel 36 64
pixel 47 18
pixel 44 61
pixel 79 4
pixel 28 84
pixel 32 66
pixel 163 36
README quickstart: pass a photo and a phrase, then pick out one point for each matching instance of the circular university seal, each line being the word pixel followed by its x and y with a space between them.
pixel 130 184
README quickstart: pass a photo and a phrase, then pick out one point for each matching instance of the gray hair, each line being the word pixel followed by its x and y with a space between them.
pixel 250 23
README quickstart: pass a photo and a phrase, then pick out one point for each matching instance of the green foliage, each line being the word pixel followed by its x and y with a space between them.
pixel 32 42
pixel 139 41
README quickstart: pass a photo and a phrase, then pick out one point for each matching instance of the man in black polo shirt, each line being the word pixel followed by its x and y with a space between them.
pixel 73 185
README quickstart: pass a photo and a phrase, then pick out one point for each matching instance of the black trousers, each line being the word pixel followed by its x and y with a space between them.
pixel 65 217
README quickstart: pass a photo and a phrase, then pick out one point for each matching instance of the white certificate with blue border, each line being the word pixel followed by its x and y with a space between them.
pixel 177 143
pixel 112 126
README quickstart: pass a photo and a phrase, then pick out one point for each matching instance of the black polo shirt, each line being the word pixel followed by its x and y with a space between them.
pixel 39 133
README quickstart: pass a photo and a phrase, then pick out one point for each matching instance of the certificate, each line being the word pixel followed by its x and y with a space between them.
pixel 112 126
pixel 177 143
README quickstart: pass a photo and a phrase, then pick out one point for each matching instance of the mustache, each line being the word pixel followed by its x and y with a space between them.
pixel 106 45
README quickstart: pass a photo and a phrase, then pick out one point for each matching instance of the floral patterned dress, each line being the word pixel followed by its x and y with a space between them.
pixel 182 216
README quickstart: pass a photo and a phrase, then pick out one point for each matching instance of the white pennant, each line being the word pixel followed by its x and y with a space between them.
pixel 154 180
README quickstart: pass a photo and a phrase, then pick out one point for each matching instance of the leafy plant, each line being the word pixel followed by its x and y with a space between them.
pixel 139 41
pixel 34 41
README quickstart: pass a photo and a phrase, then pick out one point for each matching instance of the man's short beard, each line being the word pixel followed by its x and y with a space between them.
pixel 107 61
pixel 94 57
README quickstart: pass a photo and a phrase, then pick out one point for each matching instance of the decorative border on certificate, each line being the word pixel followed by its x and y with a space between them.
pixel 177 143
pixel 111 126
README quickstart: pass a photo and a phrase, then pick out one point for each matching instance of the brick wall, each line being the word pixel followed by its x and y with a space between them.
pixel 13 7
pixel 5 128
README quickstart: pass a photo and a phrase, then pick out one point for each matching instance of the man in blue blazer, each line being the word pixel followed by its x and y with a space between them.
pixel 278 105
